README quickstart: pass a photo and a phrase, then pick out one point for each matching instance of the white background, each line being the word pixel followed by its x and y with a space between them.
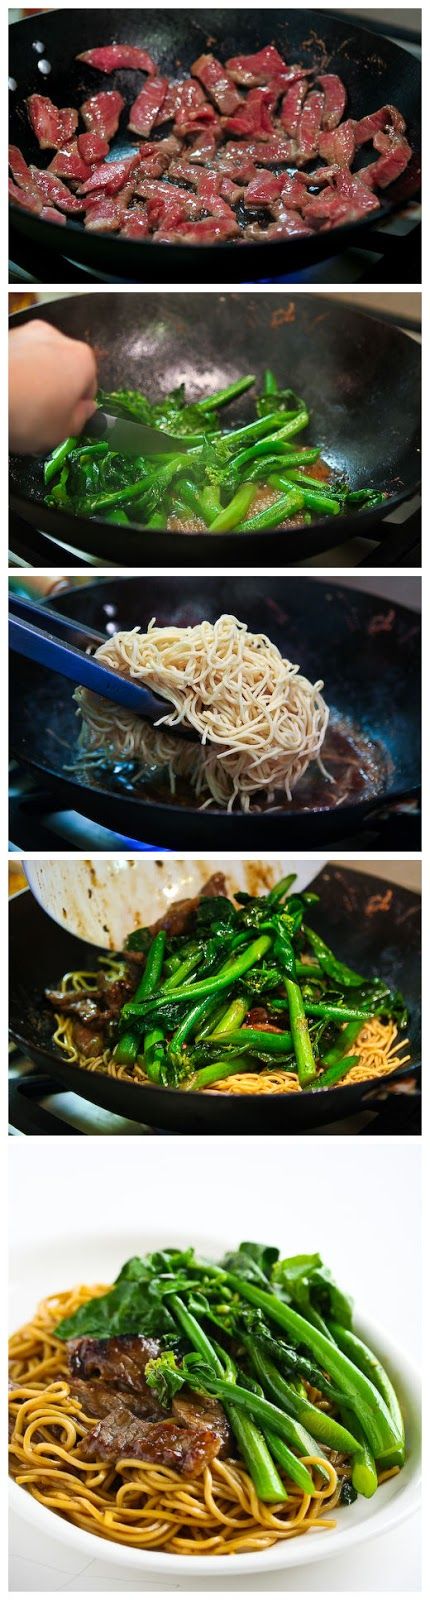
pixel 356 1201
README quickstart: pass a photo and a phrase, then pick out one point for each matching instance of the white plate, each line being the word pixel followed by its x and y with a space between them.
pixel 60 1265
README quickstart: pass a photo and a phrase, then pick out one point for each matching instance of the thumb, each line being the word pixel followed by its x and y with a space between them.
pixel 81 414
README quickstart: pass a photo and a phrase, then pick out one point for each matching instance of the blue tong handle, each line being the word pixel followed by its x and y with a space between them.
pixel 40 645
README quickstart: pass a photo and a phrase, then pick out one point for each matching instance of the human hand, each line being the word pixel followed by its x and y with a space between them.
pixel 52 387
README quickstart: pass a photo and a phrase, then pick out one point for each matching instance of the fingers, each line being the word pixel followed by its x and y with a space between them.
pixel 52 387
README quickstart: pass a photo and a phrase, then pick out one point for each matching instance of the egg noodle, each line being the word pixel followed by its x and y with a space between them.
pixel 146 1506
pixel 260 722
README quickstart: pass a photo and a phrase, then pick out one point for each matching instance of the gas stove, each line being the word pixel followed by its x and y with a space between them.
pixel 394 542
pixel 389 252
pixel 39 822
pixel 39 1105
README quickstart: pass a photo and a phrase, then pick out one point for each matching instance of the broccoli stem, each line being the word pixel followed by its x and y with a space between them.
pixel 300 1438
pixel 368 1363
pixel 306 1064
pixel 231 1019
pixel 287 506
pixel 255 1039
pixel 363 1474
pixel 319 1423
pixel 253 1448
pixel 381 1432
pixel 226 1067
pixel 224 397
pixel 57 459
pixel 333 1057
pixel 228 974
pixel 126 1049
pixel 228 518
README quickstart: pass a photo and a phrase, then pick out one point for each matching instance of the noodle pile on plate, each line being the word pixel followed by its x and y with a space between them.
pixel 146 1506
pixel 259 720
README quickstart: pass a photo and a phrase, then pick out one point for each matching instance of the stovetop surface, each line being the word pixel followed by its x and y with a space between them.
pixel 38 822
pixel 389 252
pixel 395 542
pixel 38 1105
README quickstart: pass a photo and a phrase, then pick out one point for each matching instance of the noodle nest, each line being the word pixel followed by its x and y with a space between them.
pixel 260 722
pixel 145 1506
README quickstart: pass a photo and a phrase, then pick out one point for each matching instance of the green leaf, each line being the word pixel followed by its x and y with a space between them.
pixel 252 1261
pixel 138 1301
pixel 309 1285
pixel 165 1377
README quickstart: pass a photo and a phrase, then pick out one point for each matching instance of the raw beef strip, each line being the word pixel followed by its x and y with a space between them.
pixel 292 105
pixel 68 163
pixel 377 122
pixel 101 113
pixel 105 213
pixel 92 147
pixel 259 68
pixel 107 58
pixel 111 176
pixel 217 84
pixel 334 99
pixel 338 146
pixel 211 230
pixel 54 192
pixel 309 126
pixel 53 128
pixel 145 109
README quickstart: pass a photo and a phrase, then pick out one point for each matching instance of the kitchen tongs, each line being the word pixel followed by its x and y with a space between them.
pixel 44 636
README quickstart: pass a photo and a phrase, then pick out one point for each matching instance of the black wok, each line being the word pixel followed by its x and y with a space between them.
pixel 366 650
pixel 374 927
pixel 360 377
pixel 375 72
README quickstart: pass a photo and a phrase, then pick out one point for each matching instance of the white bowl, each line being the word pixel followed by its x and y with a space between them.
pixel 103 900
pixel 59 1266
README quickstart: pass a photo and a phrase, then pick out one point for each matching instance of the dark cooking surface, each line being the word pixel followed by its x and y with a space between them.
pixel 367 650
pixel 372 925
pixel 374 71
pixel 360 378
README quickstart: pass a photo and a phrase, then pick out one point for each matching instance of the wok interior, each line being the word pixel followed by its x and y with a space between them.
pixel 357 914
pixel 176 38
pixel 360 378
pixel 366 650
pixel 374 74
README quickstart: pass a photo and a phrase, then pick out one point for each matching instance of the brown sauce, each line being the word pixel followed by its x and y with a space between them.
pixel 357 768
pixel 265 496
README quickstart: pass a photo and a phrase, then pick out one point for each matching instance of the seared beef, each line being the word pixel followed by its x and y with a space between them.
pixel 121 1362
pixel 178 917
pixel 87 1040
pixel 120 1435
pixel 98 1400
pixel 194 1410
pixel 98 1007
